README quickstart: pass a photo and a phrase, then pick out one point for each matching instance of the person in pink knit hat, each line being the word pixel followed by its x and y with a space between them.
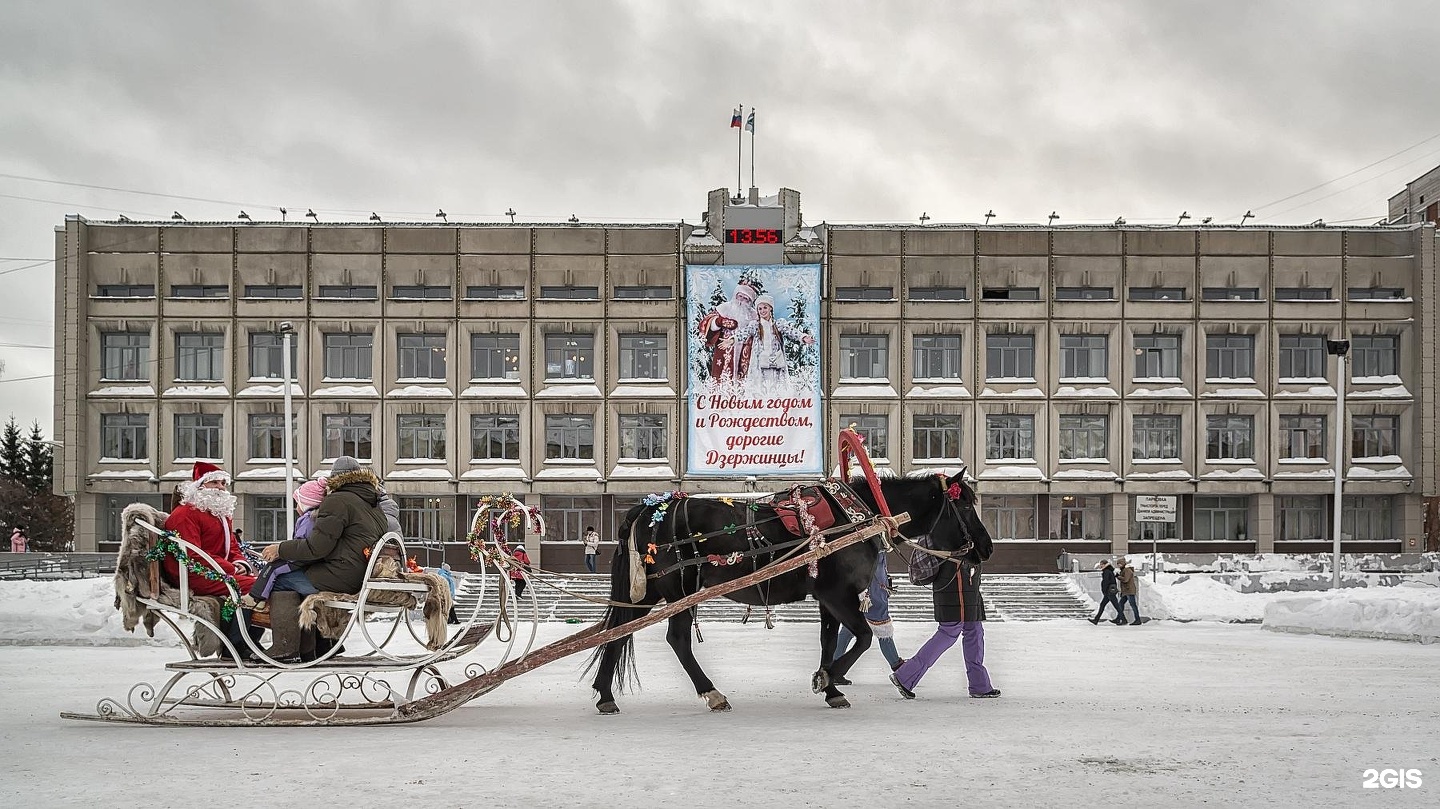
pixel 275 576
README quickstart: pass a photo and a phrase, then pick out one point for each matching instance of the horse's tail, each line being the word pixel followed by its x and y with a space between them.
pixel 616 614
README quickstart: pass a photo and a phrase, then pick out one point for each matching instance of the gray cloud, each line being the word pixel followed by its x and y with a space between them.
pixel 619 111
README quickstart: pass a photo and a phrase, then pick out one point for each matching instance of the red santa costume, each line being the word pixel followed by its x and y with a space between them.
pixel 729 357
pixel 204 520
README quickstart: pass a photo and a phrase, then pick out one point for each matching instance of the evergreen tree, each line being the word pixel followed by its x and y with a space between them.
pixel 801 358
pixel 39 462
pixel 12 453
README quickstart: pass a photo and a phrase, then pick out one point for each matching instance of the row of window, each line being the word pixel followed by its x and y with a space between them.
pixel 200 356
pixel 645 436
pixel 1010 517
pixel 494 292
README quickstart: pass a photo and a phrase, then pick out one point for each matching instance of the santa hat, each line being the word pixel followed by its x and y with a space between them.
pixel 204 472
pixel 746 289
pixel 310 493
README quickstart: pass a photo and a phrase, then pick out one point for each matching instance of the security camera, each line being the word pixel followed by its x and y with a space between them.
pixel 286 327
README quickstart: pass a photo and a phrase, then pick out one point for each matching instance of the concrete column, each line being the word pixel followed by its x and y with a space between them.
pixel 1120 524
pixel 1263 528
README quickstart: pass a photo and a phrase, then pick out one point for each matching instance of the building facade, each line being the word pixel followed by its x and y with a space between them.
pixel 1071 369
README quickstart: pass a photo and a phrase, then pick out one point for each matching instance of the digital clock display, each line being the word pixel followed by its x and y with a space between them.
pixel 752 236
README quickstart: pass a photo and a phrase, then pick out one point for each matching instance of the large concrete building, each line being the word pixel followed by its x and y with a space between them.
pixel 1073 369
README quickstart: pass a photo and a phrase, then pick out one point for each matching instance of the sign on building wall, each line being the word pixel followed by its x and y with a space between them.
pixel 753 367
pixel 1155 508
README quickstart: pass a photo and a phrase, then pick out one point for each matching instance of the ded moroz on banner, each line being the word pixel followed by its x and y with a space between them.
pixel 753 366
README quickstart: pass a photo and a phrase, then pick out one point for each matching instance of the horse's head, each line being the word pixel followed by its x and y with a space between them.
pixel 939 505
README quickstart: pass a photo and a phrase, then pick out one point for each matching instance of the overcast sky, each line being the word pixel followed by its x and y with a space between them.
pixel 620 111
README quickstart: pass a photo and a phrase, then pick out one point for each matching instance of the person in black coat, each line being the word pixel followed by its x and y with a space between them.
pixel 1110 588
pixel 960 612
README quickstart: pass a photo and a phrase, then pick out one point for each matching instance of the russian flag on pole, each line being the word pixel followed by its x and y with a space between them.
pixel 750 122
pixel 735 118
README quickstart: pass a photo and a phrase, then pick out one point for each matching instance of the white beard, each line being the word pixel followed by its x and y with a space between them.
pixel 213 501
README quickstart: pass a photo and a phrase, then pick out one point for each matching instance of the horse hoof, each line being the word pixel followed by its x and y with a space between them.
pixel 607 708
pixel 716 701
pixel 820 681
pixel 837 702
pixel 723 707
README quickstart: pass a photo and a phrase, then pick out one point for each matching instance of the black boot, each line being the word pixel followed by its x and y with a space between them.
pixel 1095 620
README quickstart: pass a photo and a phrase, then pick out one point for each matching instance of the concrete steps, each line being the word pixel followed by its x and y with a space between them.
pixel 1033 597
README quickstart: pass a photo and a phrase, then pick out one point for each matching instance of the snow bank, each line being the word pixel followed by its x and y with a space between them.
pixel 72 612
pixel 1408 612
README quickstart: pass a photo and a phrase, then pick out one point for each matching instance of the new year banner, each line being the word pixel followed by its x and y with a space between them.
pixel 753 363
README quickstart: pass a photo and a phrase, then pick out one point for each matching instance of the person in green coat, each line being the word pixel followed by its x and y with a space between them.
pixel 348 523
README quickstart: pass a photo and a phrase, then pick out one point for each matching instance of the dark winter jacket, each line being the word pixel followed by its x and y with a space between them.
pixel 1107 580
pixel 348 522
pixel 956 593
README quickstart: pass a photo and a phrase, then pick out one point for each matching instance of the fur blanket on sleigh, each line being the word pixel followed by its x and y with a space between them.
pixel 331 621
pixel 132 582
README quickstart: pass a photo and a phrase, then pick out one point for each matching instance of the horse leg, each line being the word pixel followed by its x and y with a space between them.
pixel 678 636
pixel 616 659
pixel 831 616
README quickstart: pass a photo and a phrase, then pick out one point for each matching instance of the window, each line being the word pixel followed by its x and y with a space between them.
pixel 1009 356
pixel 1366 518
pixel 125 356
pixel 429 292
pixel 569 438
pixel 347 356
pixel 1374 436
pixel 495 438
pixel 287 291
pixel 1376 293
pixel 494 356
pixel 1375 355
pixel 421 356
pixel 864 356
pixel 1011 516
pixel 875 430
pixel 199 357
pixel 567 517
pixel 1084 293
pixel 1302 293
pixel 1084 437
pixel 1302 356
pixel 266 356
pixel 1077 517
pixel 113 505
pixel 1150 531
pixel 125 436
pixel 267 436
pixel 1230 294
pixel 1157 356
pixel 1222 518
pixel 355 292
pixel 864 293
pixel 267 519
pixel 197 435
pixel 643 356
pixel 347 434
pixel 938 294
pixel 569 356
pixel 937 356
pixel 642 437
pixel 421 436
pixel 1299 517
pixel 935 437
pixel 199 290
pixel 1083 356
pixel 644 293
pixel 1156 438
pixel 1230 438
pixel 570 293
pixel 1229 356
pixel 1302 436
pixel 1010 294
pixel 495 293
pixel 1009 438
pixel 1157 293
pixel 428 518
pixel 125 291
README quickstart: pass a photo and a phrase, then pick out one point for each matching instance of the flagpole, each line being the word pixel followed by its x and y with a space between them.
pixel 739 141
pixel 751 127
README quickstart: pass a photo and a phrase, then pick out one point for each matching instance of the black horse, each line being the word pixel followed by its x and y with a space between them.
pixel 689 535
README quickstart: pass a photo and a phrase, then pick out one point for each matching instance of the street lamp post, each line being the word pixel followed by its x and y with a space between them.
pixel 287 334
pixel 1338 349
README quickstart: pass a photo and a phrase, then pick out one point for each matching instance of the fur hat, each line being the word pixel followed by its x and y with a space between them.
pixel 344 464
pixel 205 472
pixel 765 300
pixel 746 289
pixel 1122 561
pixel 310 493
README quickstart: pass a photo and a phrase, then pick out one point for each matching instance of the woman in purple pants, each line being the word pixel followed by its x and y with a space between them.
pixel 960 611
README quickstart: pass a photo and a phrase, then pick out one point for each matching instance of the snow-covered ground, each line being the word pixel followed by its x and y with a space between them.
pixel 1169 713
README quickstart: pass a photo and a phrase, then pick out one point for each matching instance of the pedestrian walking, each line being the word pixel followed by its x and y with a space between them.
pixel 449 577
pixel 960 612
pixel 592 547
pixel 18 540
pixel 878 616
pixel 1110 588
pixel 1129 592
pixel 517 574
